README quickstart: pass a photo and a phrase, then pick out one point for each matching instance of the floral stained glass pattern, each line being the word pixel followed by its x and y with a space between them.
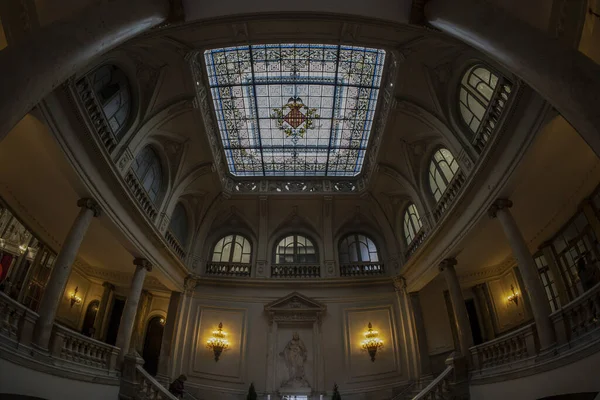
pixel 294 109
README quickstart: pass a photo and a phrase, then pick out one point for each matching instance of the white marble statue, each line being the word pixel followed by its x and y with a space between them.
pixel 294 355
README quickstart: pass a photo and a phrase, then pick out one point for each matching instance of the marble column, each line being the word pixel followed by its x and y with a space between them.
pixel 168 338
pixel 123 342
pixel 565 77
pixel 463 327
pixel 55 287
pixel 421 335
pixel 43 61
pixel 537 297
pixel 102 315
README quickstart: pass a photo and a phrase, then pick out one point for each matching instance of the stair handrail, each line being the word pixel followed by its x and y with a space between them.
pixel 435 383
pixel 403 392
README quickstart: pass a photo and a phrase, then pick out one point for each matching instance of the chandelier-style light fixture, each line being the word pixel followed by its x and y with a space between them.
pixel 218 342
pixel 372 343
pixel 514 297
pixel 74 298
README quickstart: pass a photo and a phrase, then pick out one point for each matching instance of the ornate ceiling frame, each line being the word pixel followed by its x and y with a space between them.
pixel 290 185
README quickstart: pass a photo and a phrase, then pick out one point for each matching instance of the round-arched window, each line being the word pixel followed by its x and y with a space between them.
pixel 179 224
pixel 412 223
pixel 483 96
pixel 295 249
pixel 357 248
pixel 113 92
pixel 232 249
pixel 442 169
pixel 147 168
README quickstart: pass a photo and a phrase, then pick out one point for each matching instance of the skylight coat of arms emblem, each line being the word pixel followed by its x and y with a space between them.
pixel 294 109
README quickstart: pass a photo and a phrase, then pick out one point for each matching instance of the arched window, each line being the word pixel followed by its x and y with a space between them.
pixel 442 169
pixel 483 96
pixel 295 249
pixel 412 223
pixel 357 248
pixel 232 249
pixel 149 171
pixel 179 224
pixel 114 94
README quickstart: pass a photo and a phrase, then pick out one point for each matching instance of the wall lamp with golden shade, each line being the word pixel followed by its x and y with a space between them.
pixel 514 297
pixel 218 342
pixel 372 343
pixel 74 298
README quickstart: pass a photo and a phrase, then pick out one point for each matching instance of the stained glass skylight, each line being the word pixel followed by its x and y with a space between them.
pixel 295 109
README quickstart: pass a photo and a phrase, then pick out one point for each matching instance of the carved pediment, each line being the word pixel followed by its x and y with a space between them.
pixel 295 307
pixel 295 301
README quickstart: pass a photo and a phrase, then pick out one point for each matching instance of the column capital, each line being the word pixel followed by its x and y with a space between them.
pixel 90 204
pixel 108 285
pixel 189 284
pixel 447 263
pixel 499 204
pixel 142 262
pixel 399 283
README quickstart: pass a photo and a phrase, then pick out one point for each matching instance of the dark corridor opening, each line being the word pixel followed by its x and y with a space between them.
pixel 474 321
pixel 114 321
pixel 152 343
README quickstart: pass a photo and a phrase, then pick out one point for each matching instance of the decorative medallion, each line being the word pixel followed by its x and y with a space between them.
pixel 296 122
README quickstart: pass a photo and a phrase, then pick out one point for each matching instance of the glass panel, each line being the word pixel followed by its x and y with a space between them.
pixel 294 109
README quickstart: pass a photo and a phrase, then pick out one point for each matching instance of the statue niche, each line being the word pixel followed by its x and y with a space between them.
pixel 294 355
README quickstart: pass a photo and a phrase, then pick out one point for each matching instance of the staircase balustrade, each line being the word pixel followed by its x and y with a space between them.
pixel 439 388
pixel 76 348
pixel 137 384
pixel 16 322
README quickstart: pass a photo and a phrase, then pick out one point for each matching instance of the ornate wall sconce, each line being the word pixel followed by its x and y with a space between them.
pixel 74 298
pixel 514 297
pixel 372 343
pixel 218 342
pixel 162 321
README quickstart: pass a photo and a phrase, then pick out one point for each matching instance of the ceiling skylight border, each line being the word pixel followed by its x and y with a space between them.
pixel 301 144
pixel 292 185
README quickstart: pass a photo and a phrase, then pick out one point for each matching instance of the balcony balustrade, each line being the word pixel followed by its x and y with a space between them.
pixel 416 242
pixel 175 245
pixel 516 346
pixel 492 116
pixel 228 269
pixel 140 194
pixel 362 269
pixel 295 271
pixel 95 114
pixel 578 320
pixel 449 195
pixel 76 348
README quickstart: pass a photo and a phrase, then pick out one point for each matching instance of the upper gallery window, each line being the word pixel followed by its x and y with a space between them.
pixel 112 91
pixel 357 248
pixel 483 96
pixel 412 223
pixel 294 109
pixel 149 172
pixel 295 249
pixel 442 169
pixel 232 249
pixel 179 224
